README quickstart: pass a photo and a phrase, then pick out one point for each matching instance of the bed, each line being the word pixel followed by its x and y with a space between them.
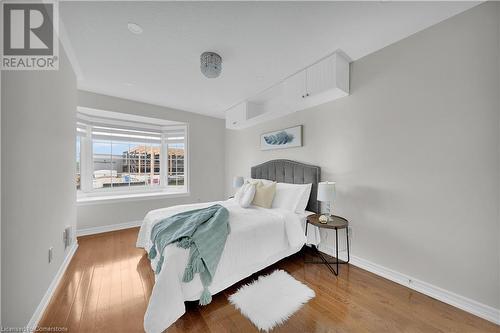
pixel 259 237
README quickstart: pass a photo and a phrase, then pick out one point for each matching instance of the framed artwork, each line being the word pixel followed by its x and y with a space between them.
pixel 285 138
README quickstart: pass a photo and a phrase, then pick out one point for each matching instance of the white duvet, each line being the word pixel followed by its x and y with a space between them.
pixel 258 238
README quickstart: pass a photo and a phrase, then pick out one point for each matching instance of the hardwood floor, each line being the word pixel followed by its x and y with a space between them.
pixel 108 283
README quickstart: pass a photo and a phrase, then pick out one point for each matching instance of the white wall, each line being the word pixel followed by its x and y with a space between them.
pixel 0 198
pixel 415 152
pixel 38 187
pixel 498 96
pixel 206 162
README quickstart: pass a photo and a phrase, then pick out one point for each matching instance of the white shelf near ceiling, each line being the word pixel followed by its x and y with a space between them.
pixel 322 82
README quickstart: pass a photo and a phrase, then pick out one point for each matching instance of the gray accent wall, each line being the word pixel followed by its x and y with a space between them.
pixel 38 186
pixel 206 162
pixel 415 153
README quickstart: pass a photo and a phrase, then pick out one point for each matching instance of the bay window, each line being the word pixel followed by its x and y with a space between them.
pixel 130 155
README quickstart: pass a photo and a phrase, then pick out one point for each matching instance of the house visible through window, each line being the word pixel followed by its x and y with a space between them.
pixel 121 155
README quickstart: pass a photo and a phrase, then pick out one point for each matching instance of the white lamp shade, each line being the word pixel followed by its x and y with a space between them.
pixel 326 191
pixel 238 181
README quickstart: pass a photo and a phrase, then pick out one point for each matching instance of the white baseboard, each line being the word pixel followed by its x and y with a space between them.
pixel 52 287
pixel 55 281
pixel 107 228
pixel 478 309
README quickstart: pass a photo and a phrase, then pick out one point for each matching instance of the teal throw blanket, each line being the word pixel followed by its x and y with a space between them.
pixel 204 232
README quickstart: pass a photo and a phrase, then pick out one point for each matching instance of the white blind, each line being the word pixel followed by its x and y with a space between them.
pixel 130 131
pixel 125 134
pixel 175 134
pixel 81 129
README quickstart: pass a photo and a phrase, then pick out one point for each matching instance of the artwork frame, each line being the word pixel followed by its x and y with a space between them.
pixel 290 137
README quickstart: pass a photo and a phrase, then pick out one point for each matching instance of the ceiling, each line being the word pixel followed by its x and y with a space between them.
pixel 261 43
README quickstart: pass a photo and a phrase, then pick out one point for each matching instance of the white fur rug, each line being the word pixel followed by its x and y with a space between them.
pixel 271 299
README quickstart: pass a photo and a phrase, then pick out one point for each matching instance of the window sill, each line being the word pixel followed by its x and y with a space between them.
pixel 83 199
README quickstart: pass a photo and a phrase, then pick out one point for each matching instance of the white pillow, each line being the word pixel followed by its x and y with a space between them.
pixel 292 197
pixel 304 199
pixel 245 195
pixel 264 181
pixel 239 193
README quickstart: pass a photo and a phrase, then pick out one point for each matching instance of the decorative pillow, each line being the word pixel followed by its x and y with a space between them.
pixel 239 193
pixel 247 195
pixel 255 180
pixel 264 194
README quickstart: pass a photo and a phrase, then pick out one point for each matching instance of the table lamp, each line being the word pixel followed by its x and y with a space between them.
pixel 238 181
pixel 326 193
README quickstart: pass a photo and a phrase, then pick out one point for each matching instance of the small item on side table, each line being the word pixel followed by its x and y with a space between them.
pixel 336 223
pixel 323 219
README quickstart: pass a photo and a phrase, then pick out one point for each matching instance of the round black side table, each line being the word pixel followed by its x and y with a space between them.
pixel 336 223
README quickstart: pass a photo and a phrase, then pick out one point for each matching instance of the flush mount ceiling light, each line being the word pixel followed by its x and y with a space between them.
pixel 134 28
pixel 211 64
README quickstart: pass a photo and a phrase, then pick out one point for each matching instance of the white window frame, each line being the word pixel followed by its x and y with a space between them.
pixel 90 117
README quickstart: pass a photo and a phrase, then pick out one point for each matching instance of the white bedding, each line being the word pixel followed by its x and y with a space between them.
pixel 258 238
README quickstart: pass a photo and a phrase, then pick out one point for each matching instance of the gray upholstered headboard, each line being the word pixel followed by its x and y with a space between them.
pixel 286 171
